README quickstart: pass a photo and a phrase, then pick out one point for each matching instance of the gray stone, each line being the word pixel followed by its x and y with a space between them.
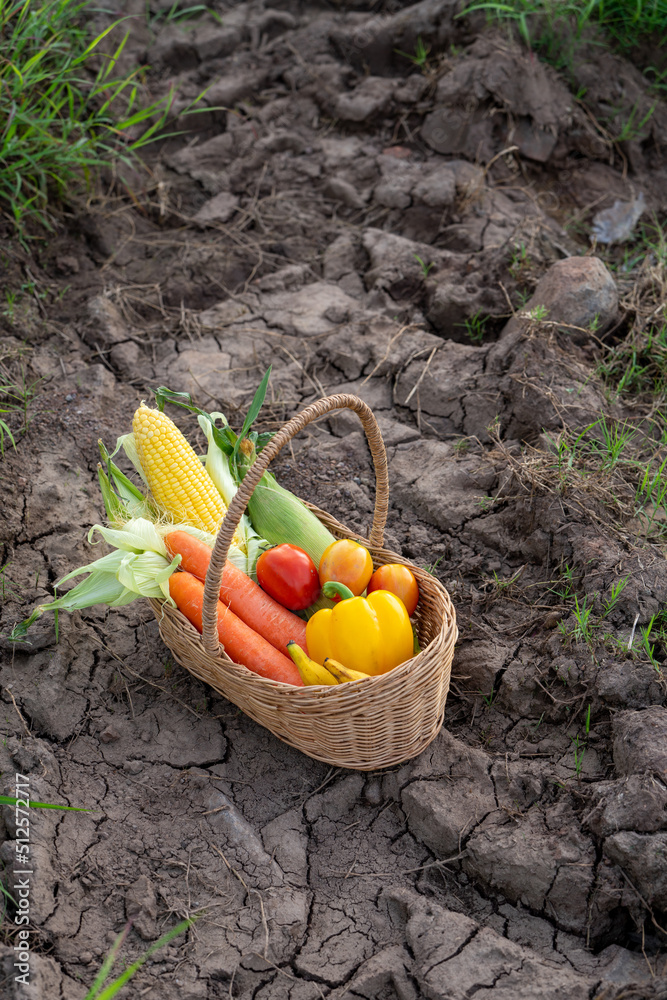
pixel 109 734
pixel 577 291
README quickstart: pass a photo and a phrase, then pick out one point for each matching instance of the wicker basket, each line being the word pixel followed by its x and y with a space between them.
pixel 363 725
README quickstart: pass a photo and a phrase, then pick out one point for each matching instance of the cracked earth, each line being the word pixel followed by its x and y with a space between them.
pixel 346 218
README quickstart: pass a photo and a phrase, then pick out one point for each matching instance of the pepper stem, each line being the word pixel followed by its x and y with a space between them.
pixel 332 589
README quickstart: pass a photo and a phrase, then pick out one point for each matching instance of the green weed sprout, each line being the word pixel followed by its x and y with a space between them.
pixel 425 267
pixel 582 613
pixel 420 56
pixel 475 327
pixel 616 591
pixel 15 398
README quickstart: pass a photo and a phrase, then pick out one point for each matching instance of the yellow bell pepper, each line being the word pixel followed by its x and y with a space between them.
pixel 372 634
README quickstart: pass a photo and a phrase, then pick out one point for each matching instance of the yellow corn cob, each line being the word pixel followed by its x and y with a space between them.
pixel 176 477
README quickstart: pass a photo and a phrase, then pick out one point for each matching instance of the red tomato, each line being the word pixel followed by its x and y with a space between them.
pixel 347 562
pixel 289 576
pixel 398 580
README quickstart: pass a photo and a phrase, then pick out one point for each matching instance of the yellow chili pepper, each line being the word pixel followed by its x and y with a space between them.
pixel 372 634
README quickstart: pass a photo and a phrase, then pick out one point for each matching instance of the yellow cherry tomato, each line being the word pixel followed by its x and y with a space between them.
pixel 398 580
pixel 346 562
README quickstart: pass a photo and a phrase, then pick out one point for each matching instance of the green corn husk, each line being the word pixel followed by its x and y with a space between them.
pixel 116 579
pixel 280 517
pixel 217 466
pixel 139 566
pixel 122 499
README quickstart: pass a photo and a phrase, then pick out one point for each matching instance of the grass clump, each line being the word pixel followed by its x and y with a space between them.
pixel 16 394
pixel 635 367
pixel 60 121
pixel 612 473
pixel 638 365
pixel 555 29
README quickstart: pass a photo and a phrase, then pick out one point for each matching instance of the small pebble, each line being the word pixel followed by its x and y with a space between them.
pixel 109 734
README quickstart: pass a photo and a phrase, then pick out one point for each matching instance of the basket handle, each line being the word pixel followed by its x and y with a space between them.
pixel 240 500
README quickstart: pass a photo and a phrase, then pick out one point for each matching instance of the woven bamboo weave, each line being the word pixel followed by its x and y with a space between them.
pixel 364 725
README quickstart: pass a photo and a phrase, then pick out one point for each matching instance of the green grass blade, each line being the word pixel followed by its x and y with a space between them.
pixel 105 970
pixel 118 984
pixel 96 41
pixel 9 800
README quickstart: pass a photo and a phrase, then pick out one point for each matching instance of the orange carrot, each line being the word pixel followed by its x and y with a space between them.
pixel 242 644
pixel 246 599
